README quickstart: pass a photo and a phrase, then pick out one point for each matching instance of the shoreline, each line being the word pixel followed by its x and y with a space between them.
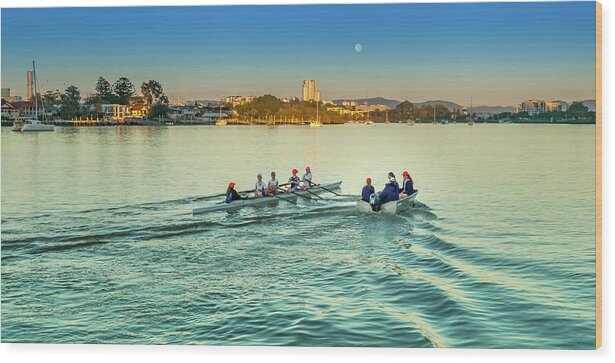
pixel 84 123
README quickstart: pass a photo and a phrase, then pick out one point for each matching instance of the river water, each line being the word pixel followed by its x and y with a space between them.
pixel 99 244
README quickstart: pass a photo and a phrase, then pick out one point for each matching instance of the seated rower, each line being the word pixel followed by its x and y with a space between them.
pixel 272 186
pixel 390 191
pixel 407 185
pixel 368 190
pixel 293 182
pixel 307 178
pixel 260 187
pixel 231 193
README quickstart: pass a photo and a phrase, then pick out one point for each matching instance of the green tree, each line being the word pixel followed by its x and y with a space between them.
pixel 123 89
pixel 52 98
pixel 153 92
pixel 577 110
pixel 103 88
pixel 158 110
pixel 403 112
pixel 70 105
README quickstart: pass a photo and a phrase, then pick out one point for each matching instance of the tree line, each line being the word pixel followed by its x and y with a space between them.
pixel 576 111
pixel 269 106
pixel 121 92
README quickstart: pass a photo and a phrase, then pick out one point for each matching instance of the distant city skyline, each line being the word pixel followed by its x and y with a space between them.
pixel 497 53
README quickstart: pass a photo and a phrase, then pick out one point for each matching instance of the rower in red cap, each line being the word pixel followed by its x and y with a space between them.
pixel 231 193
pixel 407 185
pixel 293 182
pixel 368 190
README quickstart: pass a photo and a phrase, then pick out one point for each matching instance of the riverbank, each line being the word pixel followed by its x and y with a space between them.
pixel 169 122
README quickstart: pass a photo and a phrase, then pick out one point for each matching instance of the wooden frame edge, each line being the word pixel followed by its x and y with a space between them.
pixel 598 175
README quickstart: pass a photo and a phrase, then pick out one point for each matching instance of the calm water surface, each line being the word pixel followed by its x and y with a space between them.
pixel 99 244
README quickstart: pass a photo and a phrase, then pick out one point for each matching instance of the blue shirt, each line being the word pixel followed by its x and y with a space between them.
pixel 408 188
pixel 390 192
pixel 366 192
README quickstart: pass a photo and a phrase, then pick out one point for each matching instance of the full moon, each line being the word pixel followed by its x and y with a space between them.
pixel 358 47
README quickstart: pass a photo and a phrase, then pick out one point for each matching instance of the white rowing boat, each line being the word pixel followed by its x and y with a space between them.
pixel 393 207
pixel 254 202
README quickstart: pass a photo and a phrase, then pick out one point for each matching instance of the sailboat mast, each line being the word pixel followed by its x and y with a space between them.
pixel 35 90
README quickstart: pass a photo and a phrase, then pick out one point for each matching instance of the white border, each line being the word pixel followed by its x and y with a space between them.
pixel 152 354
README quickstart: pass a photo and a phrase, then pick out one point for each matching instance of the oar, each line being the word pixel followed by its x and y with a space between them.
pixel 314 194
pixel 300 195
pixel 286 200
pixel 323 188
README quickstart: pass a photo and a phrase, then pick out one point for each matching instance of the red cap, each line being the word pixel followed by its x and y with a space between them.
pixel 295 171
pixel 405 173
pixel 368 180
pixel 231 185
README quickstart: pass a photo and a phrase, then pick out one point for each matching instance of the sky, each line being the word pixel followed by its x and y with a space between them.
pixel 496 53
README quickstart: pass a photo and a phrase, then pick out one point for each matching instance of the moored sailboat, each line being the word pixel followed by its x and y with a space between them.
pixel 34 124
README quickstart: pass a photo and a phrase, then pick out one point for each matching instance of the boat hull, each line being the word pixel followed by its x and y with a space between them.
pixel 393 207
pixel 37 127
pixel 255 202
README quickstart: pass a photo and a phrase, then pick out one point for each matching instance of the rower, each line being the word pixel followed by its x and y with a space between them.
pixel 260 187
pixel 407 185
pixel 307 178
pixel 368 190
pixel 293 182
pixel 272 186
pixel 390 191
pixel 231 193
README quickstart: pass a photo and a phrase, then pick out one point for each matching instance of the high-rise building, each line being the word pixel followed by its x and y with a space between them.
pixel 310 92
pixel 532 107
pixel 30 85
pixel 6 92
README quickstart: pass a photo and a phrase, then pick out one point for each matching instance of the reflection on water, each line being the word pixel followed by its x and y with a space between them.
pixel 99 243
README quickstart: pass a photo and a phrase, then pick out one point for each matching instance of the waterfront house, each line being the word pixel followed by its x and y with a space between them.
pixel 183 112
pixel 114 111
pixel 9 112
pixel 25 108
pixel 138 111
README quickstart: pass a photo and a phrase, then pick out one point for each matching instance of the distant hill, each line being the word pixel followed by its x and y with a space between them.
pixel 591 104
pixel 448 104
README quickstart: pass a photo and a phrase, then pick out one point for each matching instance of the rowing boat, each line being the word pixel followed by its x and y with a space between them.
pixel 393 207
pixel 255 202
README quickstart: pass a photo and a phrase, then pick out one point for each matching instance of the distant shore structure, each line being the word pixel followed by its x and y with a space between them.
pixel 235 101
pixel 29 84
pixel 310 91
pixel 535 106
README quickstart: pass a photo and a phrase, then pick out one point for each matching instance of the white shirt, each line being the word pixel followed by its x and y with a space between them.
pixel 273 183
pixel 260 188
pixel 307 178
